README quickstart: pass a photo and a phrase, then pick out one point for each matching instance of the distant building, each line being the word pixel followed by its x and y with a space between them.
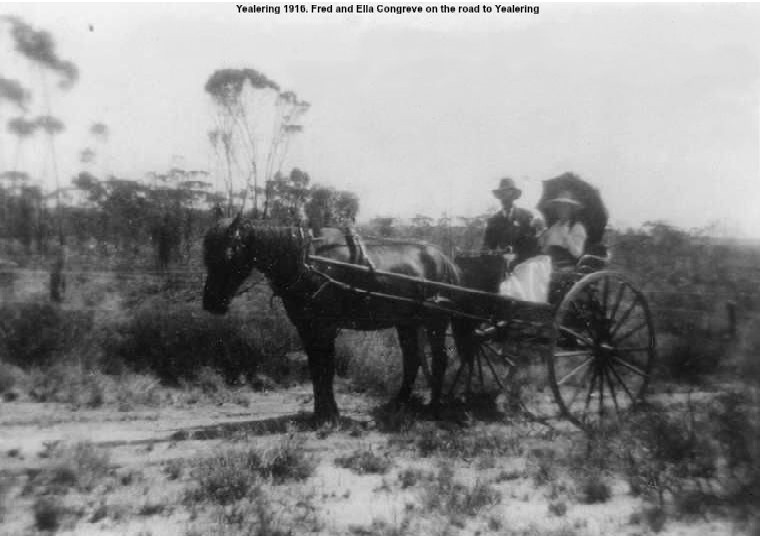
pixel 70 197
pixel 422 221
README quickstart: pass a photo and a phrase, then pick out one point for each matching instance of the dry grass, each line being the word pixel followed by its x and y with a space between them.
pixel 81 467
pixel 365 461
pixel 233 475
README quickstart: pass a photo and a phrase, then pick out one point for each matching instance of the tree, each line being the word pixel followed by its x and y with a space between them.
pixel 38 47
pixel 328 208
pixel 247 102
pixel 287 196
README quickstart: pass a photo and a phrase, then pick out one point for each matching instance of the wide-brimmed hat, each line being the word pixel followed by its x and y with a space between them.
pixel 566 197
pixel 506 185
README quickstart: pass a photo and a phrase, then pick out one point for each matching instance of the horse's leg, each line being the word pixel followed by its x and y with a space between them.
pixel 464 332
pixel 410 349
pixel 436 332
pixel 319 343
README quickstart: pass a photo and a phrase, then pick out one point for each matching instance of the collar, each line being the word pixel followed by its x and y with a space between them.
pixel 508 214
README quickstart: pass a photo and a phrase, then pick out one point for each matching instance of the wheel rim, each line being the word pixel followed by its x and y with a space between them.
pixel 602 362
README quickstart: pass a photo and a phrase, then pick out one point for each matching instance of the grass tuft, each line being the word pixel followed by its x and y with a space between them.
pixel 364 461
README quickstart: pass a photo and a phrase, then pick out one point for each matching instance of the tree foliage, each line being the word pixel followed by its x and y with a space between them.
pixel 12 91
pixel 39 47
pixel 255 122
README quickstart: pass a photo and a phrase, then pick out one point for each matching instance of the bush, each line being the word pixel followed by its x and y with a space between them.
pixel 81 467
pixel 178 342
pixel 227 478
pixel 288 462
pixel 692 356
pixel 594 489
pixel 9 377
pixel 234 475
pixel 466 445
pixel 454 499
pixel 35 334
pixel 364 461
pixel 66 383
pixel 372 360
pixel 48 512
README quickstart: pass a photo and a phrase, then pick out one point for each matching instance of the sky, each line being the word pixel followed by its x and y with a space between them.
pixel 655 104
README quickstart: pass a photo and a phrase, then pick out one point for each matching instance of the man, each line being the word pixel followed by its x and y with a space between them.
pixel 511 228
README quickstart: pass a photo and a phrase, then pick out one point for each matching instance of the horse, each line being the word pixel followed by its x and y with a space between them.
pixel 318 309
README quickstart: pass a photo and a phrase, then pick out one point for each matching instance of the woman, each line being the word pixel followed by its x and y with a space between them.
pixel 565 240
pixel 562 245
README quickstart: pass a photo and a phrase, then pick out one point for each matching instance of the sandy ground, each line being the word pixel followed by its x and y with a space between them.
pixel 142 499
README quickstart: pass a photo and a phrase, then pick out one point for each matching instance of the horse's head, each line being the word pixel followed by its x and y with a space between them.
pixel 228 264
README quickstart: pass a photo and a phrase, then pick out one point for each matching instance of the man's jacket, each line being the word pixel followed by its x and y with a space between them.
pixel 512 230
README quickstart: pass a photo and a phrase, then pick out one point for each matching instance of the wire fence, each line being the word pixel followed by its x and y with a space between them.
pixel 20 285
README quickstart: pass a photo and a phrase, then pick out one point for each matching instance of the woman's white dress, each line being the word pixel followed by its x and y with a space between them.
pixel 530 279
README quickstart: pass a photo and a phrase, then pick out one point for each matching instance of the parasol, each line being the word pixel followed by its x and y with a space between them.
pixel 593 214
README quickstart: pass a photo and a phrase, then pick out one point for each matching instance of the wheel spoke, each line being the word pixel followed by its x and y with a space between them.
pixel 629 366
pixel 605 292
pixel 578 389
pixel 500 353
pixel 574 371
pixel 633 349
pixel 601 391
pixel 612 390
pixel 571 354
pixel 493 372
pixel 480 371
pixel 629 333
pixel 577 336
pixel 618 299
pixel 620 381
pixel 590 391
pixel 586 317
pixel 625 316
pixel 456 378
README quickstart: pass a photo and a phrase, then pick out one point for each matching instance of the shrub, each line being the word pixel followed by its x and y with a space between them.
pixel 364 461
pixel 288 461
pixel 227 477
pixel 9 377
pixel 594 489
pixel 467 445
pixel 372 361
pixel 35 334
pixel 66 383
pixel 446 496
pixel 233 475
pixel 558 508
pixel 409 477
pixel 692 356
pixel 81 467
pixel 48 512
pixel 178 342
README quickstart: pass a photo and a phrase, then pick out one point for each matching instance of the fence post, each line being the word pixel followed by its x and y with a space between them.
pixel 731 312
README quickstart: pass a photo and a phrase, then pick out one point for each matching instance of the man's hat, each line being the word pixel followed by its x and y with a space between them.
pixel 506 185
pixel 565 197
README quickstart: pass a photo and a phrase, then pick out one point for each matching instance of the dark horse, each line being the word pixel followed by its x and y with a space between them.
pixel 318 308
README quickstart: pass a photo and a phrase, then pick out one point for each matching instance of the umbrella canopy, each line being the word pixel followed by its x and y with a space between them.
pixel 593 214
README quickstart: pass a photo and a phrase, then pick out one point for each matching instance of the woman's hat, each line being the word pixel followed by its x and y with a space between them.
pixel 505 185
pixel 565 197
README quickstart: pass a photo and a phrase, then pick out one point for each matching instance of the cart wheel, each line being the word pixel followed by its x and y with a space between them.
pixel 605 350
pixel 490 369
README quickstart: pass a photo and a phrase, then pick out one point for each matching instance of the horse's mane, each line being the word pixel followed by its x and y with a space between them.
pixel 287 247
